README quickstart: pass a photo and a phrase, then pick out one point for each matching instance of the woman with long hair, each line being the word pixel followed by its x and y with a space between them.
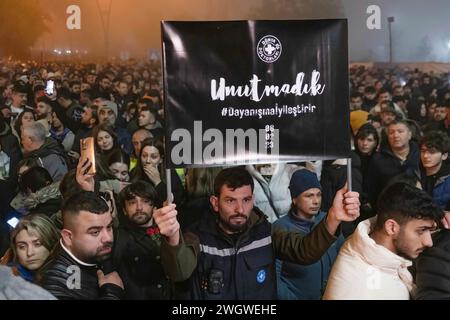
pixel 119 164
pixel 105 139
pixel 106 143
pixel 32 240
pixel 27 116
pixel 150 168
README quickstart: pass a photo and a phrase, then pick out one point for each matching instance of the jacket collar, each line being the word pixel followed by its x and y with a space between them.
pixel 360 244
pixel 73 256
pixel 363 245
pixel 210 223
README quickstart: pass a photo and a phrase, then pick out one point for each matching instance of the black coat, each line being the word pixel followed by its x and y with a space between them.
pixel 385 165
pixel 333 178
pixel 433 269
pixel 60 271
pixel 10 146
pixel 137 258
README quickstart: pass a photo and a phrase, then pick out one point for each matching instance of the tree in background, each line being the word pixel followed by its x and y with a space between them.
pixel 22 23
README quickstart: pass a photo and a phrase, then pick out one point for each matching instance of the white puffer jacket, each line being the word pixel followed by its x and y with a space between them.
pixel 277 188
pixel 365 270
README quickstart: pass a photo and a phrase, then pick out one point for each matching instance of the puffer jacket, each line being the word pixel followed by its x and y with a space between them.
pixel 46 200
pixel 277 189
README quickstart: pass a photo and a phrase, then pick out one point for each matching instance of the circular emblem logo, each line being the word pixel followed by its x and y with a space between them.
pixel 261 276
pixel 269 49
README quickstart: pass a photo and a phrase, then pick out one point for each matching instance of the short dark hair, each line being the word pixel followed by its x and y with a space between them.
pixel 19 87
pixel 34 179
pixel 233 178
pixel 370 89
pixel 83 201
pixel 436 140
pixel 403 202
pixel 69 185
pixel 65 93
pixel 400 121
pixel 45 100
pixel 139 188
pixel 147 102
pixel 383 90
pixel 366 130
pixel 356 95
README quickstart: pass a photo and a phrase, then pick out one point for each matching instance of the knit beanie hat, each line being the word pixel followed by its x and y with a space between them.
pixel 107 104
pixel 303 180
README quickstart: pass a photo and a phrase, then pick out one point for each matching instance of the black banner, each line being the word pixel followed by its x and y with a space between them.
pixel 240 92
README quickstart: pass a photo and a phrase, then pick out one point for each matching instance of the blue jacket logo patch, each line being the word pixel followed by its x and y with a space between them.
pixel 261 276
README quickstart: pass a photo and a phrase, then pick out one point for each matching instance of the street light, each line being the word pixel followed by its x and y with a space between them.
pixel 390 20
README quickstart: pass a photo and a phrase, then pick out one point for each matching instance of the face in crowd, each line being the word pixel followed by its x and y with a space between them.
pixel 367 145
pixel 105 140
pixel 90 236
pixel 137 139
pixel 106 115
pixel 87 116
pixel 19 99
pixel 414 237
pixel 120 170
pixel 150 156
pixel 431 158
pixel 31 253
pixel 146 118
pixel 234 207
pixel 356 103
pixel 42 110
pixel 139 210
pixel 307 203
pixel 399 135
pixel 440 113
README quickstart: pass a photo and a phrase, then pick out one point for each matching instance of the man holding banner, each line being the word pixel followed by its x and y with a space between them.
pixel 281 97
pixel 230 253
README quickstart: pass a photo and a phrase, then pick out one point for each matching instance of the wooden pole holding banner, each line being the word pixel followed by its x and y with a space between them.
pixel 169 187
pixel 349 174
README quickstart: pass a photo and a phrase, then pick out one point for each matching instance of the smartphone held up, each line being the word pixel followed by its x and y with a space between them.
pixel 87 152
pixel 50 88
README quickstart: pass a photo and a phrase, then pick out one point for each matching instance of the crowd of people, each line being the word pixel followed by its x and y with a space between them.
pixel 274 231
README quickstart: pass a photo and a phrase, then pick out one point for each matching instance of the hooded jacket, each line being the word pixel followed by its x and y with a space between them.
pixel 51 157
